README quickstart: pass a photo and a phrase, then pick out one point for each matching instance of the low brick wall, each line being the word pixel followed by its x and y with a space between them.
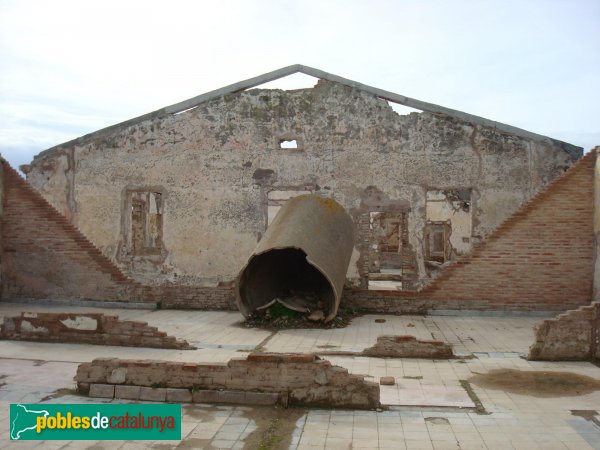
pixel 408 347
pixel 572 336
pixel 221 297
pixel 87 328
pixel 296 379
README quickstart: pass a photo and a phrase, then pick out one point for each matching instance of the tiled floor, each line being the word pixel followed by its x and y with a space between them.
pixel 466 334
pixel 432 409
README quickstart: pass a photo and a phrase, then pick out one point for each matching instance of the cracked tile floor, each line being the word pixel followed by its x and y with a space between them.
pixel 429 407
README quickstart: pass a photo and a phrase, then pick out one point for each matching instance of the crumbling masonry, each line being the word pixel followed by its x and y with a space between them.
pixel 451 211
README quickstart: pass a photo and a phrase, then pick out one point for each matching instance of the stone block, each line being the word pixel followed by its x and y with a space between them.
pixel 235 397
pixel 262 398
pixel 127 392
pixel 205 396
pixel 387 381
pixel 102 390
pixel 117 376
pixel 179 395
pixel 153 394
pixel 321 378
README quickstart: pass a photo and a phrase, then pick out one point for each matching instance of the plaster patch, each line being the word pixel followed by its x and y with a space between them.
pixel 30 328
pixel 81 323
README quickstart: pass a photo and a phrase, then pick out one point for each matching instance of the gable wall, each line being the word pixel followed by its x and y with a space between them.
pixel 541 258
pixel 217 163
pixel 44 256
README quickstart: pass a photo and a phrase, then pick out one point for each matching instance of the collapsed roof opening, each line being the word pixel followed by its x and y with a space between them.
pixel 291 82
pixel 403 110
pixel 288 144
pixel 287 276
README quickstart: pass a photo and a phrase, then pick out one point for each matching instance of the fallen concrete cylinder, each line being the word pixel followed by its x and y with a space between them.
pixel 302 258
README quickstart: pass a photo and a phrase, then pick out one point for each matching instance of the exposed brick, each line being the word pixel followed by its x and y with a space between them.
pixel 540 258
pixel 108 331
pixel 265 357
pixel 300 358
pixel 40 237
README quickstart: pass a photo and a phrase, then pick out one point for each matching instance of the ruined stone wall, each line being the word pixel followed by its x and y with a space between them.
pixel 542 254
pixel 44 256
pixel 406 346
pixel 199 181
pixel 572 336
pixel 87 328
pixel 541 258
pixel 300 379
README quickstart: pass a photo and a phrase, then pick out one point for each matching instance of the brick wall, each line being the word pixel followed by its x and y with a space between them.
pixel 220 297
pixel 541 258
pixel 572 336
pixel 44 256
pixel 301 379
pixel 89 328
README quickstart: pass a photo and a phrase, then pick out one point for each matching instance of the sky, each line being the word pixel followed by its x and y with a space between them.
pixel 71 67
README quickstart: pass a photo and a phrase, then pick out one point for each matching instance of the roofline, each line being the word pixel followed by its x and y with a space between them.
pixel 574 151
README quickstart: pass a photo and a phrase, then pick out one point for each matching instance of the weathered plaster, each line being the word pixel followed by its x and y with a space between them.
pixel 81 323
pixel 219 161
pixel 441 208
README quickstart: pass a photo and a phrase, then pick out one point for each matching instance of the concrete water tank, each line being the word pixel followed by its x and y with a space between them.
pixel 302 259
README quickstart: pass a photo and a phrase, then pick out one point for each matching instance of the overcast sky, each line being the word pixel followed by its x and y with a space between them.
pixel 68 68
